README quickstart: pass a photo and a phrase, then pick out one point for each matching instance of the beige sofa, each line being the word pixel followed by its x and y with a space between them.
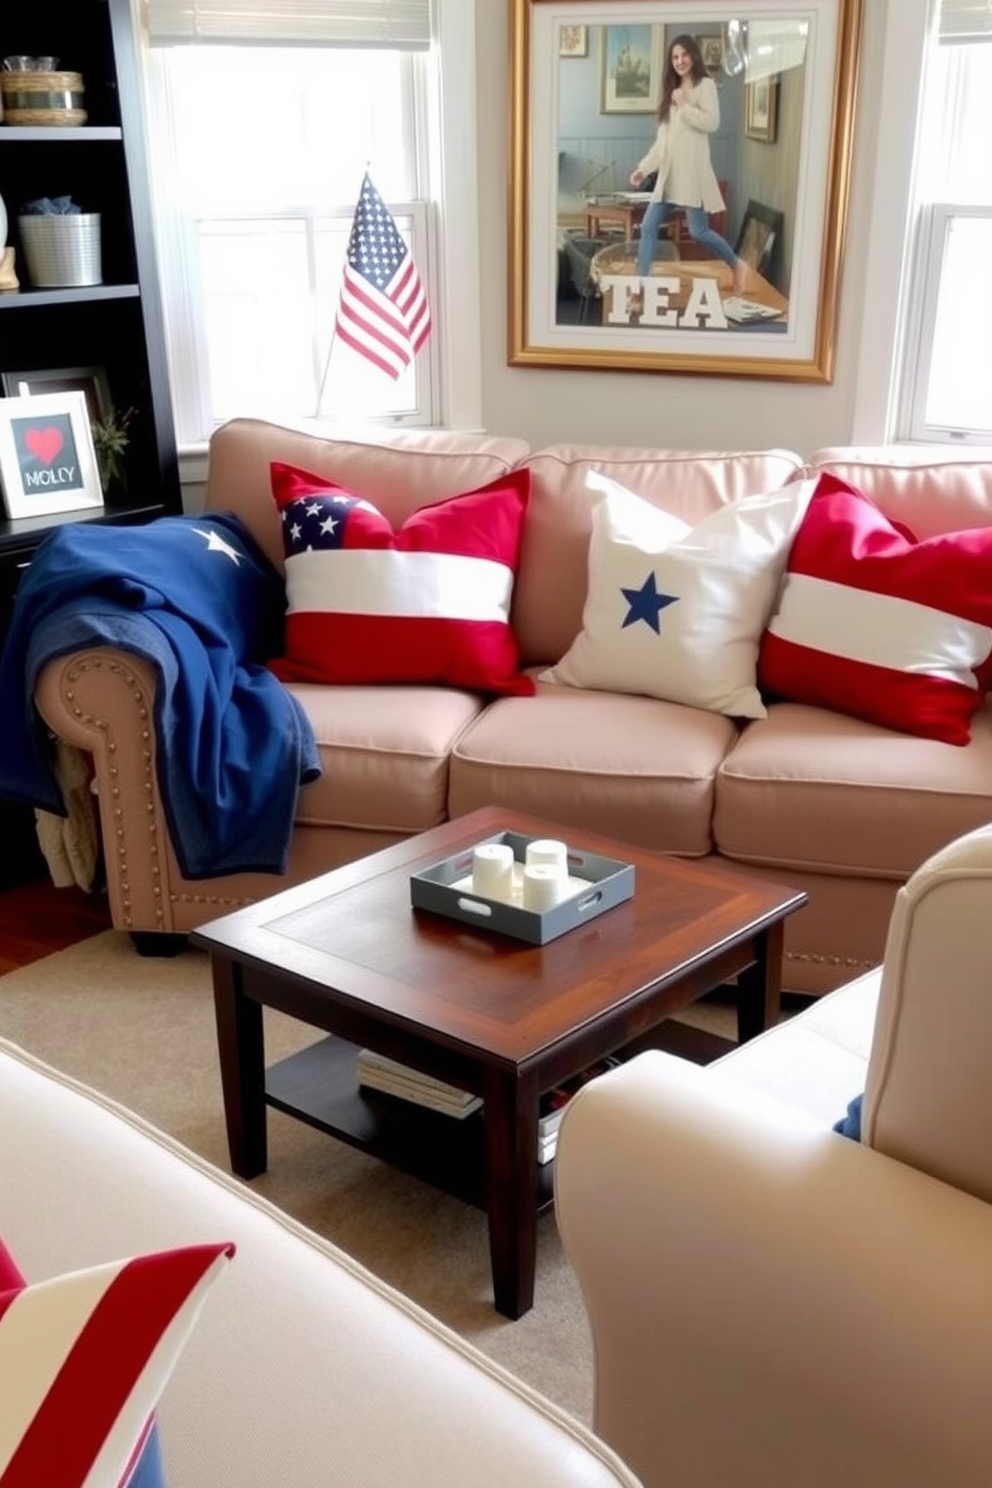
pixel 302 1367
pixel 773 1304
pixel 843 809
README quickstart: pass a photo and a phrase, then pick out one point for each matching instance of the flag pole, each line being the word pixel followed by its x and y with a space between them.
pixel 334 327
pixel 327 368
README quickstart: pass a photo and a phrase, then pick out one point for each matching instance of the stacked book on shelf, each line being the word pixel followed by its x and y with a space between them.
pixel 376 1072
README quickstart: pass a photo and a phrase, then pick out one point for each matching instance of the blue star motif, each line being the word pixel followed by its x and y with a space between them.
pixel 646 604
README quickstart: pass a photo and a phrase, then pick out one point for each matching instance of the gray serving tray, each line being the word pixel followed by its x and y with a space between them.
pixel 607 882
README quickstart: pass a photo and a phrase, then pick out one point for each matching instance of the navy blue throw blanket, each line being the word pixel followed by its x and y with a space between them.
pixel 197 598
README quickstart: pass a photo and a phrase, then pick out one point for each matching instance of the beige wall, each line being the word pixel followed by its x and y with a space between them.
pixel 544 405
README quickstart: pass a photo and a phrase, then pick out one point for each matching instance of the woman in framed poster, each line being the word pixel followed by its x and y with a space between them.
pixel 688 114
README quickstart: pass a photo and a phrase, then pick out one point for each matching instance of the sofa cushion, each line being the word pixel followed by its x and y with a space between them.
pixel 427 603
pixel 878 625
pixel 816 1061
pixel 629 767
pixel 817 790
pixel 550 591
pixel 385 754
pixel 84 1357
pixel 397 469
pixel 930 487
pixel 676 612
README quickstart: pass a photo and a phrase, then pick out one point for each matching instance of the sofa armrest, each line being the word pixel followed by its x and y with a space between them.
pixel 304 1368
pixel 101 701
pixel 771 1304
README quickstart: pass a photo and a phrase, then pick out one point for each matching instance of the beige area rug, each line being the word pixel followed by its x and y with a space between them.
pixel 141 1030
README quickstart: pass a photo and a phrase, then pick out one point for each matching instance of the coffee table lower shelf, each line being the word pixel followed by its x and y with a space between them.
pixel 319 1085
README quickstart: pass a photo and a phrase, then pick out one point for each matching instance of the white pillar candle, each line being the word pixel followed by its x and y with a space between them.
pixel 545 851
pixel 492 870
pixel 544 886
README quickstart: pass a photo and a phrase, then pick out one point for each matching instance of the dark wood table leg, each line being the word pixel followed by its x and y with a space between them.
pixel 511 1188
pixel 241 1045
pixel 759 986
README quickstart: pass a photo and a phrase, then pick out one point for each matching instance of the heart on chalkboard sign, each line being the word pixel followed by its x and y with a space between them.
pixel 44 444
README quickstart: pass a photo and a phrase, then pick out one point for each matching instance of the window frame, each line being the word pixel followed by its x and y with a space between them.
pixel 888 343
pixel 177 237
pixel 444 126
pixel 935 222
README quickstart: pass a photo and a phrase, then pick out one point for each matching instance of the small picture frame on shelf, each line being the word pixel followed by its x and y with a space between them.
pixel 47 460
pixel 89 380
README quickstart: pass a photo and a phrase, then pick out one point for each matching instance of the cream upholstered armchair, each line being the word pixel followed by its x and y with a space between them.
pixel 774 1305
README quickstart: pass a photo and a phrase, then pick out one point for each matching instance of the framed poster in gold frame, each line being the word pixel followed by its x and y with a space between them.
pixel 788 71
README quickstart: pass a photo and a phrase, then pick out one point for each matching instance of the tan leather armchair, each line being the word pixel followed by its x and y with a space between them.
pixel 774 1305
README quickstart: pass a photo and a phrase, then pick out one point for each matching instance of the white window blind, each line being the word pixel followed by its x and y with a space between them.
pixel 965 20
pixel 397 24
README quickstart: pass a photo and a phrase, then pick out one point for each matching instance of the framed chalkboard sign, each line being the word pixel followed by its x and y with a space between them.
pixel 47 460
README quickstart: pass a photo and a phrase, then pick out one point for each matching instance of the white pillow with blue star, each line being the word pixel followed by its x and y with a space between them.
pixel 678 612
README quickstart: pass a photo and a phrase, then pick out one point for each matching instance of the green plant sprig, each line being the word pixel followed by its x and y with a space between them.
pixel 110 440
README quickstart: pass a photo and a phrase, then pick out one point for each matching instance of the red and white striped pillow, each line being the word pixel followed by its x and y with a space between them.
pixel 874 623
pixel 427 604
pixel 84 1358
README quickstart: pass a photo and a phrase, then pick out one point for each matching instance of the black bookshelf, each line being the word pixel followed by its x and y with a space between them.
pixel 115 326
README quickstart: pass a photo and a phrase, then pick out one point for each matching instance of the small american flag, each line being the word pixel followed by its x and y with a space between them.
pixel 383 312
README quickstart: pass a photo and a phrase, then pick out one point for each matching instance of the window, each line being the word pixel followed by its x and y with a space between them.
pixel 257 156
pixel 947 396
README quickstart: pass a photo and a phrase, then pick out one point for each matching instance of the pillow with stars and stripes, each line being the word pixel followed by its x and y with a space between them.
pixel 427 604
pixel 84 1358
pixel 881 626
pixel 677 612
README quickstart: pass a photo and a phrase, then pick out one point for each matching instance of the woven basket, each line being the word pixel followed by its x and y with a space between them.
pixel 42 97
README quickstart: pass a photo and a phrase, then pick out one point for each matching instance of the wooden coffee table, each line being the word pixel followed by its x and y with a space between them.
pixel 505 1020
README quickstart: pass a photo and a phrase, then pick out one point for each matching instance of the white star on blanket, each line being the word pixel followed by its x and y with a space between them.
pixel 216 544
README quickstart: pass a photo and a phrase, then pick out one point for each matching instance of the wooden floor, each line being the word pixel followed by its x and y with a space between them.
pixel 37 919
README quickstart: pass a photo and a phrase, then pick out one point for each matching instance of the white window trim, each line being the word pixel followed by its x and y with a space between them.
pixel 887 292
pixel 886 398
pixel 455 180
pixel 935 223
